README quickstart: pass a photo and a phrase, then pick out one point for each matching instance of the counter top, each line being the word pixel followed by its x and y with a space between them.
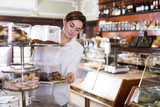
pixel 134 74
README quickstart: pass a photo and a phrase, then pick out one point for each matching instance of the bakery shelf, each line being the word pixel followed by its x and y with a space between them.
pixel 19 69
pixel 14 44
pixel 31 89
pixel 46 45
pixel 31 45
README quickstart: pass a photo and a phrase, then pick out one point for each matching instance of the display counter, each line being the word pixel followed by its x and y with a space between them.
pixel 143 96
pixel 104 88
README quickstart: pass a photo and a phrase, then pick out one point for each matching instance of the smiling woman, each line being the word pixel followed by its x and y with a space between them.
pixel 68 56
pixel 73 23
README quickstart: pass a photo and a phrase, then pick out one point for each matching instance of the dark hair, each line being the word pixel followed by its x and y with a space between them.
pixel 76 15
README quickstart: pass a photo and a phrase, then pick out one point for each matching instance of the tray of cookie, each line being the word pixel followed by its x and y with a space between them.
pixel 14 80
pixel 51 73
pixel 15 34
pixel 52 77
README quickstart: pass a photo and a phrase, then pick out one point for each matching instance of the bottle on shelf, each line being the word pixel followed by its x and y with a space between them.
pixel 113 9
pixel 155 4
pixel 137 5
pixel 158 4
pixel 106 11
pixel 119 10
pixel 130 6
pixel 101 11
pixel 142 5
pixel 152 5
pixel 146 5
pixel 126 5
pixel 116 10
pixel 123 9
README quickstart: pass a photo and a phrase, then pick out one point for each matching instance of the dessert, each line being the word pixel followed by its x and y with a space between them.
pixel 54 76
pixel 21 83
pixel 17 35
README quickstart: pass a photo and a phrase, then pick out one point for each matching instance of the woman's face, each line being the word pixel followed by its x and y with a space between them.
pixel 72 28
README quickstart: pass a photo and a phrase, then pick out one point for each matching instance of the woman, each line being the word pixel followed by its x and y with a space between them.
pixel 68 56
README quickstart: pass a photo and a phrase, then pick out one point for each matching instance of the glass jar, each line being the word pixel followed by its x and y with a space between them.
pixel 45 34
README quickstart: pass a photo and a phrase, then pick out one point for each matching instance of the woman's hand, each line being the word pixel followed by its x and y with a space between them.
pixel 70 77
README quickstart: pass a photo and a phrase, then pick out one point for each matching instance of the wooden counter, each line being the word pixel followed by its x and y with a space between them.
pixel 110 90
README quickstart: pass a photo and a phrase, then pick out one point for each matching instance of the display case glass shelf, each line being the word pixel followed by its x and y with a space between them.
pixel 46 45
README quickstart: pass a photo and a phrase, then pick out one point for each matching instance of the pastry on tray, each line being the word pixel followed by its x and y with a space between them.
pixel 54 76
pixel 24 83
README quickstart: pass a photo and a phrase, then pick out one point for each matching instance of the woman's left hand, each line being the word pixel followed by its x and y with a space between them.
pixel 70 77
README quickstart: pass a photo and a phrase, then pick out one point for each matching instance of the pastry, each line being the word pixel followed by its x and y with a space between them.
pixel 26 88
pixel 31 76
pixel 14 88
pixel 25 78
pixel 17 35
pixel 17 84
pixel 54 76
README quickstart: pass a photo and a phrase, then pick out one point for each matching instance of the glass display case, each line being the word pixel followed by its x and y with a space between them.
pixel 21 76
pixel 146 97
pixel 147 94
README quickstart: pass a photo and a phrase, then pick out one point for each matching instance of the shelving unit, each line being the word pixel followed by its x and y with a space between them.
pixel 151 15
pixel 21 69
